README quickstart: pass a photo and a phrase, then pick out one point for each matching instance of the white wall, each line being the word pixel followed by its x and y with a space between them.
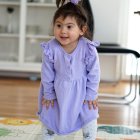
pixel 111 20
pixel 111 25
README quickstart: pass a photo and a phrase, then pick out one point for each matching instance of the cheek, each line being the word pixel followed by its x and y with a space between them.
pixel 76 34
pixel 55 32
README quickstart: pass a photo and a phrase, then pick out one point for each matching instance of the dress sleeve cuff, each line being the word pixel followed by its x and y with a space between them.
pixel 50 96
pixel 91 97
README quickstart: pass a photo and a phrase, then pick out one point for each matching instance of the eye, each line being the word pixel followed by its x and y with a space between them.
pixel 69 26
pixel 58 25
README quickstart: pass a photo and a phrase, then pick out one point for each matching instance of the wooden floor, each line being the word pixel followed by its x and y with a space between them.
pixel 18 98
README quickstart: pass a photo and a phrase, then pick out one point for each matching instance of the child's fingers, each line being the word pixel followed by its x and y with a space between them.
pixel 95 104
pixel 48 102
pixel 90 105
pixel 43 101
pixel 52 103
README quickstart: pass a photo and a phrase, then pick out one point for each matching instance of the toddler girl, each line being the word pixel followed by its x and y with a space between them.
pixel 70 77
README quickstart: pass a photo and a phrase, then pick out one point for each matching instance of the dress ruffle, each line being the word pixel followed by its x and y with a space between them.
pixel 91 45
pixel 47 51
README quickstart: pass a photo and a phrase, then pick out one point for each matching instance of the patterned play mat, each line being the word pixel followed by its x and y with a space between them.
pixel 25 129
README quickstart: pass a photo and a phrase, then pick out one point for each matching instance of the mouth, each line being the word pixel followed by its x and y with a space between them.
pixel 63 37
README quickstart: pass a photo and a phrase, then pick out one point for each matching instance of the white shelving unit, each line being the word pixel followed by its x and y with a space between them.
pixel 23 26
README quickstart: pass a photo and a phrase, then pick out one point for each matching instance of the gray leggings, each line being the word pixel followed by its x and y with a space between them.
pixel 89 132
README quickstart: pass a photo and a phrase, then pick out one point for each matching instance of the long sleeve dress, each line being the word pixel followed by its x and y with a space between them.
pixel 69 79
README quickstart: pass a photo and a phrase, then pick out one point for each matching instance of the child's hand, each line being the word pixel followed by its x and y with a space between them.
pixel 47 103
pixel 92 104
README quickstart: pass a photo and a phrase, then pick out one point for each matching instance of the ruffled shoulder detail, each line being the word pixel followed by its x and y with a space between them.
pixel 47 51
pixel 91 51
pixel 91 45
pixel 43 45
pixel 94 43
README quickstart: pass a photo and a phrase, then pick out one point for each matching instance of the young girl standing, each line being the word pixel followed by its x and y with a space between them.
pixel 70 77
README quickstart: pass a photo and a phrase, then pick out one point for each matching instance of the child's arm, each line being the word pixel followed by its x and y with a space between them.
pixel 47 76
pixel 93 78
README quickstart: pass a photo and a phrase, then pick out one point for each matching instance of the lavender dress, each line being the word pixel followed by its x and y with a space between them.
pixel 70 79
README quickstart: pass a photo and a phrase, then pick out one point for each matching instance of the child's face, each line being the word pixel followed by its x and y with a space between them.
pixel 67 32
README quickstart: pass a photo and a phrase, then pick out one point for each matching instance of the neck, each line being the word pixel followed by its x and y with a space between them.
pixel 70 48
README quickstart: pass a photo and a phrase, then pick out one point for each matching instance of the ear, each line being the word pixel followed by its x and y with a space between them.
pixel 84 29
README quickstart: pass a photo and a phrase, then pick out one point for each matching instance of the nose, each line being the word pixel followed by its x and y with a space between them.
pixel 63 29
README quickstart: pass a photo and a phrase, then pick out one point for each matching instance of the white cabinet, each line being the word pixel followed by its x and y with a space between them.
pixel 23 25
pixel 9 31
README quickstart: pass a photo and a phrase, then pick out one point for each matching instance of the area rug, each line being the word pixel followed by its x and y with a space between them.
pixel 29 129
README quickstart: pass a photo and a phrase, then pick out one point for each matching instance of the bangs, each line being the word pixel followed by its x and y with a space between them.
pixel 73 11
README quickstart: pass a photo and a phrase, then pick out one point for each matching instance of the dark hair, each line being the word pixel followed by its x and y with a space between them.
pixel 75 11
